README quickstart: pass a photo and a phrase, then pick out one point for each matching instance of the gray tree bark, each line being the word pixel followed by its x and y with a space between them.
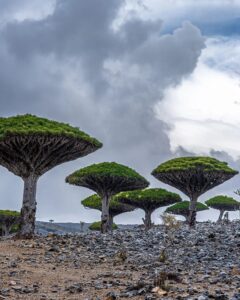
pixel 147 221
pixel 28 211
pixel 105 225
pixel 5 230
pixel 220 216
pixel 192 212
pixel 111 222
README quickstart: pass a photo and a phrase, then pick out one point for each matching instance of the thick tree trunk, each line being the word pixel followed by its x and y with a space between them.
pixel 192 212
pixel 5 230
pixel 28 211
pixel 220 216
pixel 147 221
pixel 110 221
pixel 105 225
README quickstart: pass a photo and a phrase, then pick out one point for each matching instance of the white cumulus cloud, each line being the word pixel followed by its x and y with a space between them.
pixel 203 112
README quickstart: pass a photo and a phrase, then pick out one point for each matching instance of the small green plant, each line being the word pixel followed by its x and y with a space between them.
pixel 163 256
pixel 96 226
pixel 122 255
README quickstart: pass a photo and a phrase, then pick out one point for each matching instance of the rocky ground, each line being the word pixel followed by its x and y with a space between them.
pixel 128 264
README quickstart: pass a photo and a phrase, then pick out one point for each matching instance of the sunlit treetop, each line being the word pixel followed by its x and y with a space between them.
pixel 110 169
pixel 182 208
pixel 223 203
pixel 207 164
pixel 34 145
pixel 33 125
pixel 108 177
pixel 115 207
pixel 148 199
pixel 194 175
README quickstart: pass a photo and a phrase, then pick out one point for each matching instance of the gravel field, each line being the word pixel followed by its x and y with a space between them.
pixel 127 264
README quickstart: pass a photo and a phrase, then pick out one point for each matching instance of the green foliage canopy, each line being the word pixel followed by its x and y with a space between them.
pixel 182 208
pixel 108 177
pixel 9 219
pixel 207 164
pixel 194 175
pixel 32 125
pixel 148 199
pixel 222 202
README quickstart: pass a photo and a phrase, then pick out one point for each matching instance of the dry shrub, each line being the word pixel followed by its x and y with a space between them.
pixel 170 222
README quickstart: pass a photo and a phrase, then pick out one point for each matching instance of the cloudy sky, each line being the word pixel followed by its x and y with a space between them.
pixel 151 79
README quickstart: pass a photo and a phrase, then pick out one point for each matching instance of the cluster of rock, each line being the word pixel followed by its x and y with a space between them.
pixel 188 264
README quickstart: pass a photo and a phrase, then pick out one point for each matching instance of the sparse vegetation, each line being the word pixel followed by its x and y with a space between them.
pixel 171 224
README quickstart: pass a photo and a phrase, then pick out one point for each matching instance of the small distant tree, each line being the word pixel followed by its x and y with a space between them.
pixel 223 204
pixel 107 179
pixel 193 176
pixel 237 192
pixel 82 225
pixel 8 220
pixel 51 221
pixel 182 208
pixel 96 226
pixel 30 146
pixel 148 200
pixel 115 207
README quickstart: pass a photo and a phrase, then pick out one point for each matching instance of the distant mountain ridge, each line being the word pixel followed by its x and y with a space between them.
pixel 63 228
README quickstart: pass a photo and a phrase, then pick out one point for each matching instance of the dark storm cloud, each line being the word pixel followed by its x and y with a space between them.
pixel 73 66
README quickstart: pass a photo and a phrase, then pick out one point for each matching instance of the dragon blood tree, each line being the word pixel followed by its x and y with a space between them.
pixel 223 203
pixel 193 176
pixel 148 200
pixel 115 207
pixel 8 219
pixel 30 146
pixel 107 179
pixel 182 208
